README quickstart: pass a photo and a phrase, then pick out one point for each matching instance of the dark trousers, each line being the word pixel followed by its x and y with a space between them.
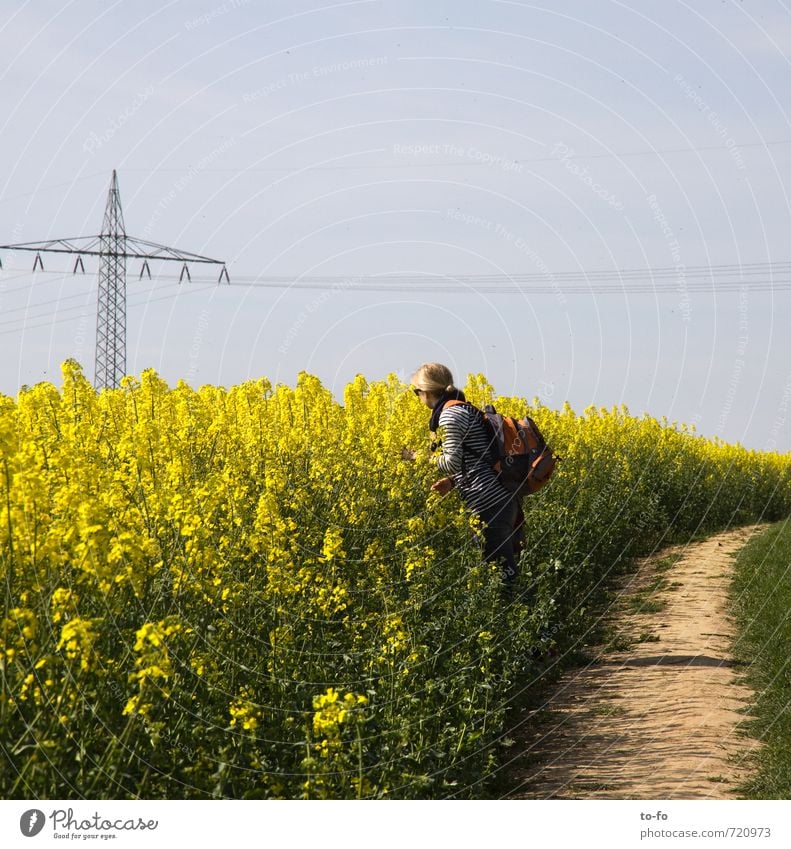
pixel 500 538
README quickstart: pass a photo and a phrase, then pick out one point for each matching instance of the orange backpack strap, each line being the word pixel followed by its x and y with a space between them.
pixel 452 403
pixel 484 421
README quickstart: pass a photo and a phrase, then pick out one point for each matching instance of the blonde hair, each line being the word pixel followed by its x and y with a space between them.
pixel 434 378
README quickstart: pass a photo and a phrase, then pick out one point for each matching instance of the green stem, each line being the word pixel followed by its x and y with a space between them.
pixel 9 579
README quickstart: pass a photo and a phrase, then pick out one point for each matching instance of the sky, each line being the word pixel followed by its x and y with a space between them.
pixel 545 148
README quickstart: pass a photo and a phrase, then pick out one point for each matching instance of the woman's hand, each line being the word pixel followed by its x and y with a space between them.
pixel 443 486
pixel 408 453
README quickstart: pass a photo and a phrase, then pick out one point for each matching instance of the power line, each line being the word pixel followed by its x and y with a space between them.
pixel 743 268
pixel 557 289
pixel 113 246
pixel 755 276
pixel 724 277
pixel 296 284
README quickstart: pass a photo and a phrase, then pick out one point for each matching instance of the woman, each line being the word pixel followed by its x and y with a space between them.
pixel 466 462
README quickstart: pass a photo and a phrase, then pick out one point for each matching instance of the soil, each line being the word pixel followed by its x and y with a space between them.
pixel 654 715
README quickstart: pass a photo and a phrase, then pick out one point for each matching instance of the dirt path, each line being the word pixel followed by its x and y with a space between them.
pixel 656 717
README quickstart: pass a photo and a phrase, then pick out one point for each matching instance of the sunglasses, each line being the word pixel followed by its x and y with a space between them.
pixel 416 391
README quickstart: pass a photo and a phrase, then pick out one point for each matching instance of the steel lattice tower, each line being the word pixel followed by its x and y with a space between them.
pixel 110 362
pixel 113 247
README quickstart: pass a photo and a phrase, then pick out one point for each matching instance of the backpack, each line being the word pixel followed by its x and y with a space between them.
pixel 519 452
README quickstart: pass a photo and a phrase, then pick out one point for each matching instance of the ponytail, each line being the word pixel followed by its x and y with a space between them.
pixel 434 378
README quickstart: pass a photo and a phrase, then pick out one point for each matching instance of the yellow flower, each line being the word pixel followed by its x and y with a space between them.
pixel 331 711
pixel 244 712
pixel 333 545
pixel 77 637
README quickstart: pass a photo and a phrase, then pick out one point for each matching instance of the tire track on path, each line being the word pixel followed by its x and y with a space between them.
pixel 657 720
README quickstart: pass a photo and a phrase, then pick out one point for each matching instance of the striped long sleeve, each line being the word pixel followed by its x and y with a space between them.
pixel 465 457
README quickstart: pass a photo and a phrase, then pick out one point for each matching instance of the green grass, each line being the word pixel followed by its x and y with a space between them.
pixel 666 563
pixel 641 603
pixel 761 601
pixel 616 641
pixel 609 710
pixel 644 601
pixel 648 637
pixel 608 633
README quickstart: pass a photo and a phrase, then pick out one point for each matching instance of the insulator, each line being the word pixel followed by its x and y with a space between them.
pixel 145 270
pixel 224 273
pixel 78 264
pixel 184 271
pixel 38 262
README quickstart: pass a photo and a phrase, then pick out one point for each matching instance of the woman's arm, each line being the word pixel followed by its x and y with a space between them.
pixel 450 461
pixel 443 486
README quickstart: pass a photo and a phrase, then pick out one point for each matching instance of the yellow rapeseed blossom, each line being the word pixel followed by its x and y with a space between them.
pixel 331 711
pixel 154 666
pixel 244 712
pixel 186 555
pixel 332 549
pixel 63 603
pixel 77 637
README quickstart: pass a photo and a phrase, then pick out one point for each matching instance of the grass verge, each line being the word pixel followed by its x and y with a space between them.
pixel 761 602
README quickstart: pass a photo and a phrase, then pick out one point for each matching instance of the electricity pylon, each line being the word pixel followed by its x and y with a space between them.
pixel 113 247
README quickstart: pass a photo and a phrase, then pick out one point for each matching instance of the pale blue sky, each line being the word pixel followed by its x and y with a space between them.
pixel 446 138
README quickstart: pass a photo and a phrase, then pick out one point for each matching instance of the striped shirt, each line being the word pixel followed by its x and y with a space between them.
pixel 466 458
